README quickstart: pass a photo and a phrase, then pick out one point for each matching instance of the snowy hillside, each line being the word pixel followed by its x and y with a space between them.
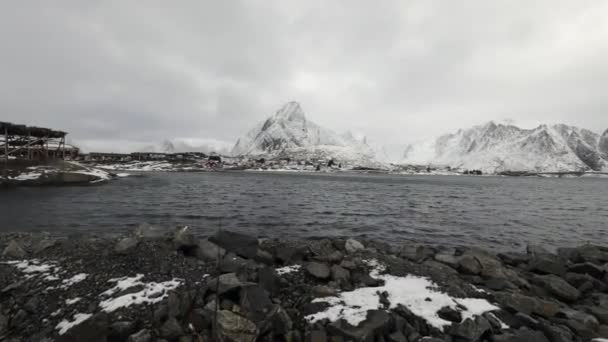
pixel 288 133
pixel 496 147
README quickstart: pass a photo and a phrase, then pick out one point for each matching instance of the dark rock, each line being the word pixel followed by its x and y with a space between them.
pixel 588 268
pixel 397 336
pixel 288 254
pixel 237 243
pixel 209 251
pixel 313 308
pixel 536 250
pixel 317 336
pixel 353 246
pixel 377 322
pixel 526 320
pixel 121 330
pixel 600 313
pixel 558 287
pixel 340 274
pixel 264 257
pixel 447 258
pixel 234 264
pixel 592 253
pixel 321 247
pixel 440 267
pixel 450 314
pixel 416 253
pixel 521 335
pixel 232 327
pixel 324 291
pixel 94 329
pixel 318 270
pixel 143 335
pixel 468 264
pixel 255 303
pixel 269 280
pixel 333 257
pixel 184 240
pixel 171 329
pixel 570 254
pixel 227 282
pixel 514 259
pixel 14 250
pixel 498 284
pixel 556 332
pixel 125 245
pixel 582 323
pixel 470 330
pixel 278 321
pixel 44 245
pixel 547 265
pixel 527 305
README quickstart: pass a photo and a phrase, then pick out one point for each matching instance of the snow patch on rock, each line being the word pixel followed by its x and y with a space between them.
pixel 66 325
pixel 411 291
pixel 152 292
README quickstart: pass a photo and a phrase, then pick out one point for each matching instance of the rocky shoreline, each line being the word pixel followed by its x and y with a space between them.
pixel 161 284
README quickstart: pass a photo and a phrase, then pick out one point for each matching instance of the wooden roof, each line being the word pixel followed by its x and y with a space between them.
pixel 33 131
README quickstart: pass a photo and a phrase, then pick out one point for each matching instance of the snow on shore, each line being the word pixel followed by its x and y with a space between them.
pixel 412 292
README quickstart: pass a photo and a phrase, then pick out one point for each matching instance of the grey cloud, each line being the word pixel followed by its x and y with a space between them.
pixel 397 71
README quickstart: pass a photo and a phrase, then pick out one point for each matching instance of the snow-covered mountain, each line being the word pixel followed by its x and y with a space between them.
pixel 289 133
pixel 496 147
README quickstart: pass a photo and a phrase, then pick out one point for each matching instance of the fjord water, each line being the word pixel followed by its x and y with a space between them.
pixel 496 212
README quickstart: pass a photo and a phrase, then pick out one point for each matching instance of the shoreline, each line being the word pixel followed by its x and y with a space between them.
pixel 167 285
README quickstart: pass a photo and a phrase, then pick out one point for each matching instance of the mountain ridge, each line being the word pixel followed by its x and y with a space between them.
pixel 493 148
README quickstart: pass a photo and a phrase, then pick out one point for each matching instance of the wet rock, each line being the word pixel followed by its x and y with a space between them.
pixel 588 268
pixel 470 330
pixel 264 257
pixel 353 246
pixel 143 335
pixel 44 245
pixel 578 280
pixel 288 253
pixel 558 287
pixel 439 267
pixel 527 305
pixel 513 258
pixel 570 254
pixel 447 258
pixel 237 243
pixel 450 314
pixel 416 253
pixel 333 257
pixel 583 324
pixel 209 251
pixel 278 321
pixel 593 253
pixel 521 335
pixel 498 284
pixel 377 322
pixel 232 263
pixel 318 270
pixel 600 313
pixel 547 265
pixel 255 302
pixel 489 265
pixel 126 245
pixel 235 328
pixel 556 332
pixel 146 231
pixel 171 329
pixel 339 274
pixel 536 250
pixel 321 247
pixel 225 283
pixel 184 240
pixel 14 250
pixel 468 264
pixel 120 331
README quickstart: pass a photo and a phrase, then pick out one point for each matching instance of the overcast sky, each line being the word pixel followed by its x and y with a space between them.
pixel 119 75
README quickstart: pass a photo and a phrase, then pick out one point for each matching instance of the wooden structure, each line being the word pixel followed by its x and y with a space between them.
pixel 33 143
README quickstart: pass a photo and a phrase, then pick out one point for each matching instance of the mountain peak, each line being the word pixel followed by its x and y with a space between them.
pixel 291 111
